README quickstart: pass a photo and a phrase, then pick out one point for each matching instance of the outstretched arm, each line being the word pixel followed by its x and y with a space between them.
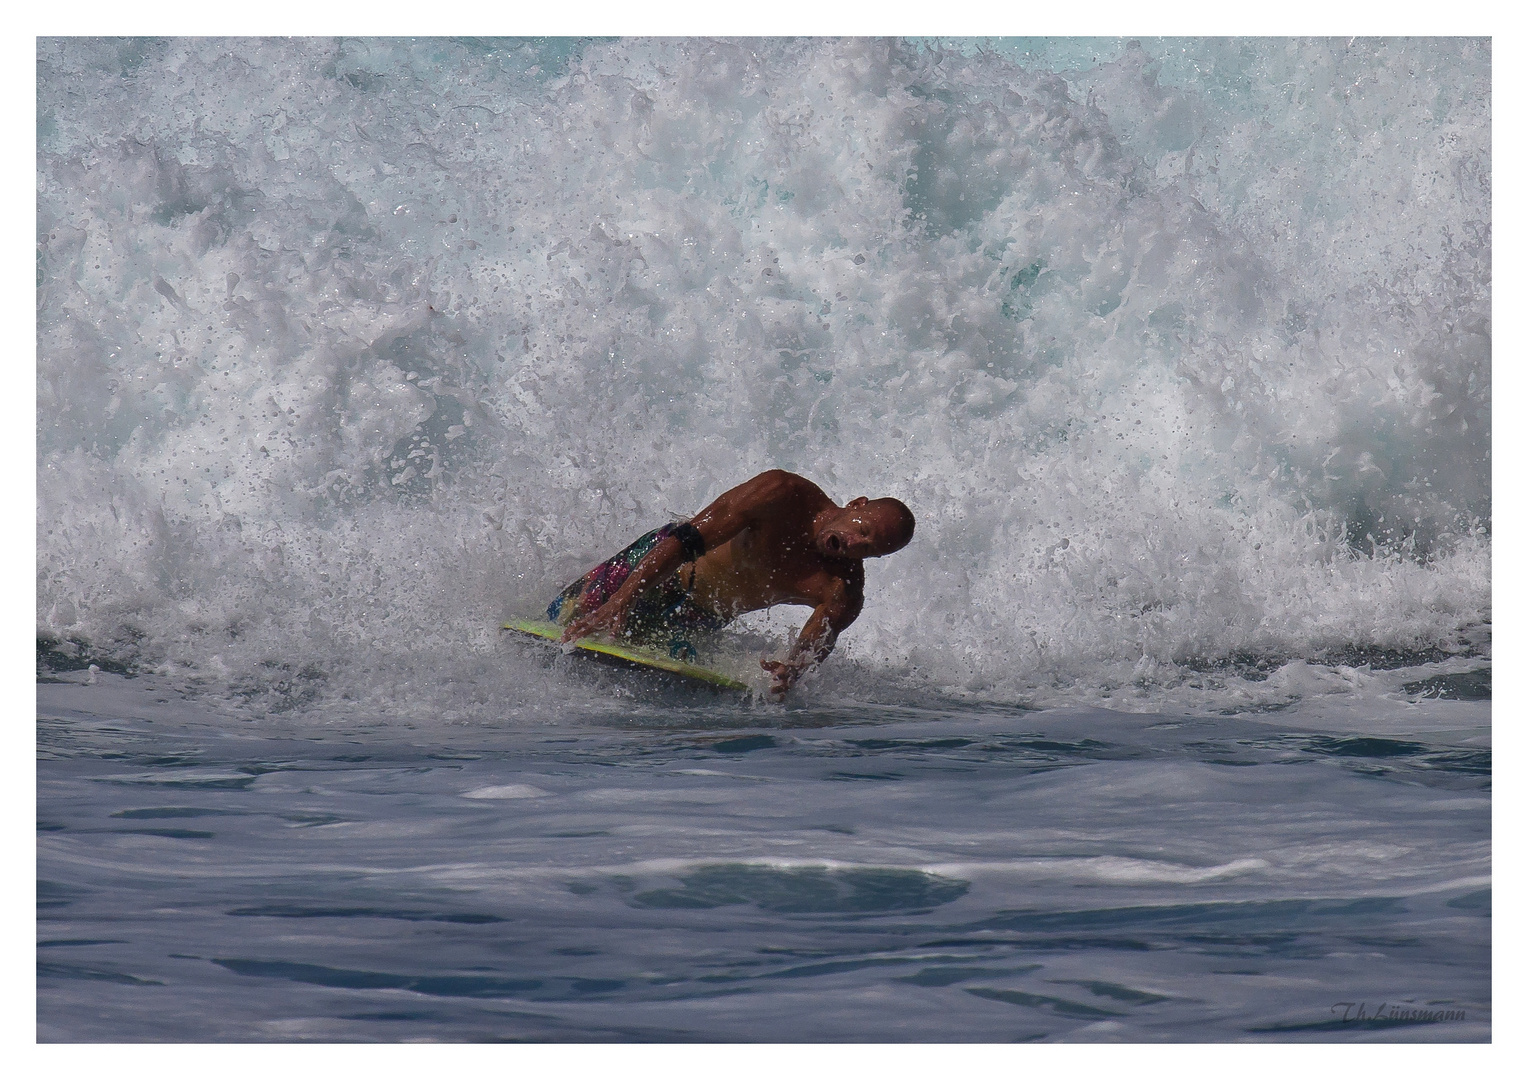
pixel 731 513
pixel 818 637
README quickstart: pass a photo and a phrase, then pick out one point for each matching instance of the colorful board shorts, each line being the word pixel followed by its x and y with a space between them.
pixel 664 615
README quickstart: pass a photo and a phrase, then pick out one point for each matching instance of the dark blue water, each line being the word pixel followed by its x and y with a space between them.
pixel 697 871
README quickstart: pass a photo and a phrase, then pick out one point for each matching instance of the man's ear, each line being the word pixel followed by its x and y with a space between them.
pixel 855 504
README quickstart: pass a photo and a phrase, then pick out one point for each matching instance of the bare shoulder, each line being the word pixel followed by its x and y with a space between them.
pixel 853 577
pixel 845 592
pixel 777 485
pixel 841 583
pixel 775 496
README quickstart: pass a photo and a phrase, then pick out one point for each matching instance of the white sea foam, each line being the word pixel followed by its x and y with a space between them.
pixel 347 350
pixel 507 791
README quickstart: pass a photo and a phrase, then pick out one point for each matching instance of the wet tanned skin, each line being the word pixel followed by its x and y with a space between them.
pixel 775 539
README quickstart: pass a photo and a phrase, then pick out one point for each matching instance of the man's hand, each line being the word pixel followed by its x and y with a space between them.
pixel 815 641
pixel 609 618
pixel 782 675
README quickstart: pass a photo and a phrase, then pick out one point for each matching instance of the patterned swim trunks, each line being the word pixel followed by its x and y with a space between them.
pixel 664 615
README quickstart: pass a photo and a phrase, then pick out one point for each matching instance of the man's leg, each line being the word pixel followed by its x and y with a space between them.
pixel 590 592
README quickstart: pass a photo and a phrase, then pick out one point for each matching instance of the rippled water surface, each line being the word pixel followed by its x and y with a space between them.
pixel 700 872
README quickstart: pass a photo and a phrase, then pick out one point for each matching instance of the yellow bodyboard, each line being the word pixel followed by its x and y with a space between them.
pixel 631 654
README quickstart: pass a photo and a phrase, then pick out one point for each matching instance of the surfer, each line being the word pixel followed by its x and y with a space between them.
pixel 775 539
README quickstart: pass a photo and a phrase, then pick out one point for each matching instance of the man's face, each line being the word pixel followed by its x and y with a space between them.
pixel 855 532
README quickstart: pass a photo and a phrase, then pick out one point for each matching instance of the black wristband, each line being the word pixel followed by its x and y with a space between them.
pixel 690 541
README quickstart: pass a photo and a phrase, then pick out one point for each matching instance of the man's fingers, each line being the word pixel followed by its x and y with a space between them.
pixel 593 622
pixel 580 627
pixel 780 675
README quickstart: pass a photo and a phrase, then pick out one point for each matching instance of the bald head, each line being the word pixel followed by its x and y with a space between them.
pixel 865 528
pixel 894 523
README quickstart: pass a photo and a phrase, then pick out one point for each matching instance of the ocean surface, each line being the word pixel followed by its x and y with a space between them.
pixel 1171 724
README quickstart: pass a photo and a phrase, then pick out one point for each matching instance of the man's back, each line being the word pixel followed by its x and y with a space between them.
pixel 771 560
